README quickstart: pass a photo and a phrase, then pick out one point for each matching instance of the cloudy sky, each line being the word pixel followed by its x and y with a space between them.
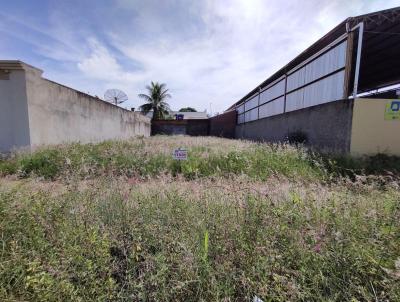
pixel 206 51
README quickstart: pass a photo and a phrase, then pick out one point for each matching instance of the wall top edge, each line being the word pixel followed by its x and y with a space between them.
pixel 17 65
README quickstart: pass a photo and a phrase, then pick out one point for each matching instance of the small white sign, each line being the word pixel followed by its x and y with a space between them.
pixel 257 299
pixel 180 154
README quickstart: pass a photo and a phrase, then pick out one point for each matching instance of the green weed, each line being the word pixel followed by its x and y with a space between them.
pixel 115 242
pixel 133 158
pixel 123 221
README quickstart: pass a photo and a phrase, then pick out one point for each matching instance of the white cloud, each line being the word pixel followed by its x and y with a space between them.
pixel 206 51
pixel 100 64
pixel 241 45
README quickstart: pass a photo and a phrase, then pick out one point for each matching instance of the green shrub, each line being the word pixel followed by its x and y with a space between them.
pixel 346 165
pixel 8 167
pixel 44 163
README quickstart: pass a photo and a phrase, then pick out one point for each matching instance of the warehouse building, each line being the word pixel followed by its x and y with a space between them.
pixel 330 96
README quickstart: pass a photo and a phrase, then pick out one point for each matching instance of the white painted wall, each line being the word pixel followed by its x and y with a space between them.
pixel 55 114
pixel 14 127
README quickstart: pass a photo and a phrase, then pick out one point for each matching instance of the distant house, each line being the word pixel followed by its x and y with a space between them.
pixel 189 115
pixel 176 115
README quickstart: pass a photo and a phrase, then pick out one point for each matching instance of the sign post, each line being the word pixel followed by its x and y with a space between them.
pixel 180 154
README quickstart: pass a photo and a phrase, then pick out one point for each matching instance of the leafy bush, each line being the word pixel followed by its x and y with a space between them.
pixel 7 167
pixel 345 165
pixel 45 163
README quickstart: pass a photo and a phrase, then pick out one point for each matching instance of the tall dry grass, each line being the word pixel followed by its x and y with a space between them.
pixel 103 222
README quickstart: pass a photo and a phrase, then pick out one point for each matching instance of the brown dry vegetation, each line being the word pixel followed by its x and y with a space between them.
pixel 274 221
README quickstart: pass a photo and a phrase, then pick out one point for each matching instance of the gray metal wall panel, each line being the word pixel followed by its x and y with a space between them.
pixel 251 115
pixel 240 109
pixel 326 90
pixel 273 92
pixel 295 100
pixel 251 103
pixel 240 119
pixel 329 62
pixel 272 108
pixel 296 79
pixel 327 126
pixel 322 91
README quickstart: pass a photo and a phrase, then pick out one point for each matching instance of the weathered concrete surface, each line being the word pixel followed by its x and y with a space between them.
pixel 14 128
pixel 223 125
pixel 197 127
pixel 169 127
pixel 36 111
pixel 326 126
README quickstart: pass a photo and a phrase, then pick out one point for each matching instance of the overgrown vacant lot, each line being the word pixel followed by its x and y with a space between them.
pixel 121 221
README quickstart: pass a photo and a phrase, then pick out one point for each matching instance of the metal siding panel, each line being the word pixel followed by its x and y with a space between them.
pixel 273 92
pixel 254 114
pixel 342 54
pixel 295 100
pixel 326 90
pixel 251 103
pixel 272 108
pixel 296 79
pixel 329 62
pixel 323 91
pixel 247 116
pixel 240 119
pixel 240 109
pixel 251 115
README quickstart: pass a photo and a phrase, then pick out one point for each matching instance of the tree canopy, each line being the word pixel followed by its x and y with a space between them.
pixel 187 109
pixel 156 97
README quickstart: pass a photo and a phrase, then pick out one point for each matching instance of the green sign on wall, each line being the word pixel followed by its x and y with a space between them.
pixel 392 110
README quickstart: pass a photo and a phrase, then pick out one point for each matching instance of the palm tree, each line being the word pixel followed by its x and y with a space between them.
pixel 155 100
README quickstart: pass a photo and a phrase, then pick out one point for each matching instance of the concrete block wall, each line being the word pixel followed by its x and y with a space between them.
pixel 169 127
pixel 14 124
pixel 327 127
pixel 198 127
pixel 223 125
pixel 355 126
pixel 35 111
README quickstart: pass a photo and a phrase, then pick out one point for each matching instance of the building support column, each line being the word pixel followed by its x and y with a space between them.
pixel 349 64
pixel 258 103
pixel 360 27
pixel 284 94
